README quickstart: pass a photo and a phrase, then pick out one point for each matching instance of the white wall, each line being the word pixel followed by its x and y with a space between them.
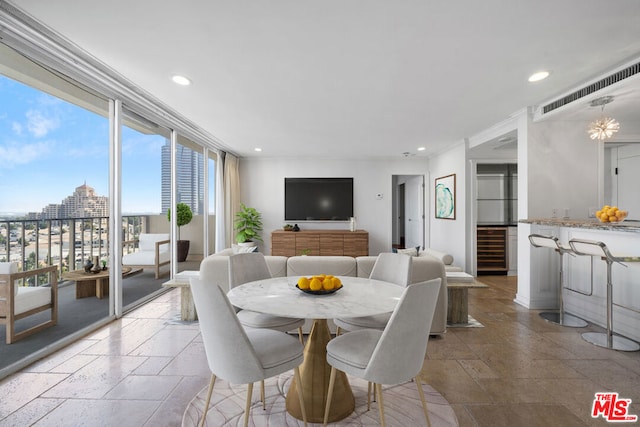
pixel 564 169
pixel 444 234
pixel 262 187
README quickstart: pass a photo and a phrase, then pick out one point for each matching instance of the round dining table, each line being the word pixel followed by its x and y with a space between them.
pixel 357 297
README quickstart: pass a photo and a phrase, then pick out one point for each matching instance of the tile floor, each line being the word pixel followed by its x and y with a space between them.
pixel 143 369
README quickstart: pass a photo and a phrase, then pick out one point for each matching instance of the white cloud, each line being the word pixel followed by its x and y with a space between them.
pixel 14 154
pixel 39 125
pixel 17 128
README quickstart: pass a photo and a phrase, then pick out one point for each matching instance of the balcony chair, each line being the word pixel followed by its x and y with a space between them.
pixel 240 355
pixel 389 267
pixel 19 302
pixel 392 356
pixel 153 252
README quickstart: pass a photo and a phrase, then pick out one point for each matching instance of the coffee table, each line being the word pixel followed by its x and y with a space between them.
pixel 94 284
pixel 187 306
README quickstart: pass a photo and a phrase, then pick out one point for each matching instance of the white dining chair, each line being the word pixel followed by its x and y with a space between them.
pixel 249 267
pixel 394 355
pixel 239 355
pixel 389 267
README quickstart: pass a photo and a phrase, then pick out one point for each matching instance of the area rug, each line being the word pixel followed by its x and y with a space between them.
pixel 402 406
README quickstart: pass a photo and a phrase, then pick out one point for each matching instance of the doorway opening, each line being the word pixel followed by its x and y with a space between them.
pixel 408 211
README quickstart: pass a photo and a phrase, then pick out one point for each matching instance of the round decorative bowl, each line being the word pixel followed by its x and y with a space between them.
pixel 323 292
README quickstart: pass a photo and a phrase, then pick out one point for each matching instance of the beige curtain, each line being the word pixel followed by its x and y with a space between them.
pixel 231 195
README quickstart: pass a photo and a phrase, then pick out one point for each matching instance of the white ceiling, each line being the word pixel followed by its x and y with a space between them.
pixel 350 78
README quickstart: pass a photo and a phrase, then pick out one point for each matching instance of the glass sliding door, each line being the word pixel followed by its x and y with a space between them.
pixel 54 173
pixel 144 173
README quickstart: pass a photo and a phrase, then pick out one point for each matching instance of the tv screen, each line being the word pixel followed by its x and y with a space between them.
pixel 318 199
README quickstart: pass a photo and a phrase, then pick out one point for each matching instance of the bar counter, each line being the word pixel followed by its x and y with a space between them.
pixel 584 276
pixel 593 224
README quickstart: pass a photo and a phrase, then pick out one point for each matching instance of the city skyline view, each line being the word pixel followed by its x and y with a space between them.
pixel 49 147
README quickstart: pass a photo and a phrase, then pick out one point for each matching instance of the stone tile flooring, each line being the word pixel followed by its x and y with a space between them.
pixel 143 370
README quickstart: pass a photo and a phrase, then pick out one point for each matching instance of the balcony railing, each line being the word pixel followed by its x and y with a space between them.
pixel 65 242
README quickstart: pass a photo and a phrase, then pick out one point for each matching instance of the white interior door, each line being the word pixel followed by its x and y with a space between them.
pixel 414 218
pixel 628 178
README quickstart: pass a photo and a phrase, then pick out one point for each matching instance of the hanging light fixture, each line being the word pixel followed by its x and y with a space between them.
pixel 604 127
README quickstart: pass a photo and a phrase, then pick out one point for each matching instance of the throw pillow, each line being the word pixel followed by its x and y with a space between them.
pixel 409 251
pixel 237 249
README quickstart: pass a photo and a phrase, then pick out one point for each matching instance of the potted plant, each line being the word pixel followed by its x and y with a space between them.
pixel 184 217
pixel 248 225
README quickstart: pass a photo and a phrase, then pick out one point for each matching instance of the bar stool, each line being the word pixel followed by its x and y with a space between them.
pixel 607 340
pixel 559 317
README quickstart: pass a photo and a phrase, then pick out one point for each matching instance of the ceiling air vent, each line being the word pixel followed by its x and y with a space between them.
pixel 594 87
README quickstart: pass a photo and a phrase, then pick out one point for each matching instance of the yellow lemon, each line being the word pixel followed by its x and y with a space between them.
pixel 336 283
pixel 327 284
pixel 303 283
pixel 315 284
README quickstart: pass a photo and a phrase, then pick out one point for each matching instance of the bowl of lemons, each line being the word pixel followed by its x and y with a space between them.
pixel 322 284
pixel 611 214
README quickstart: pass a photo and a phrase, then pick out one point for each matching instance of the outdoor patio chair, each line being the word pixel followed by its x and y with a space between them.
pixel 18 302
pixel 153 252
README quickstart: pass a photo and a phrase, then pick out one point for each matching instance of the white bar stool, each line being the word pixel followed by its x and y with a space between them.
pixel 559 317
pixel 607 340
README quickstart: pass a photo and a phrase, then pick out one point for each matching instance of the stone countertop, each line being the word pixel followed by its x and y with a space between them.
pixel 594 224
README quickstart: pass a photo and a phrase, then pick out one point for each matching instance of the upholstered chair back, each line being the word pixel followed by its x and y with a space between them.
pixel 393 268
pixel 399 354
pixel 244 268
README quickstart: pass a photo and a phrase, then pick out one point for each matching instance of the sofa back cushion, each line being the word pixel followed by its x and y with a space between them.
pixel 310 265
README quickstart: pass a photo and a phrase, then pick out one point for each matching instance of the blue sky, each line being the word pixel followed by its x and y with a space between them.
pixel 48 147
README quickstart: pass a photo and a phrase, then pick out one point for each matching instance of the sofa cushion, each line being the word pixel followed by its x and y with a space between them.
pixel 147 242
pixel 310 265
pixel 9 268
pixel 30 297
pixel 447 259
pixel 145 258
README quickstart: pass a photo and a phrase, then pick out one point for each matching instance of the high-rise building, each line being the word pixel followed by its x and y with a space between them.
pixel 83 203
pixel 189 178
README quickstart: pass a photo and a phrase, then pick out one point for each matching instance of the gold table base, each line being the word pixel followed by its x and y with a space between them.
pixel 315 373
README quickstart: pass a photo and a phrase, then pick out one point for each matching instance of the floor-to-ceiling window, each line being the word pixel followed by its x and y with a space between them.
pixel 54 140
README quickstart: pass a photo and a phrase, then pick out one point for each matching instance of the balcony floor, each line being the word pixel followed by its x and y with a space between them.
pixel 76 314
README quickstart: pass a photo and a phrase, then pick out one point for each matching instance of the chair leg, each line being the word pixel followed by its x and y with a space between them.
pixel 338 331
pixel 206 405
pixel 296 374
pixel 247 406
pixel 264 405
pixel 369 396
pixel 418 381
pixel 301 335
pixel 332 381
pixel 380 404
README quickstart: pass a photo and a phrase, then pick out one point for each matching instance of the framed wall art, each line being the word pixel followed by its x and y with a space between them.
pixel 445 192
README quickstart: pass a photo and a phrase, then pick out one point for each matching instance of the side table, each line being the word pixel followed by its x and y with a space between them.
pixel 458 304
pixel 187 306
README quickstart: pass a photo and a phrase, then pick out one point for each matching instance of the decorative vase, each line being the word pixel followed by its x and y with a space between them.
pixel 96 265
pixel 296 228
pixel 88 266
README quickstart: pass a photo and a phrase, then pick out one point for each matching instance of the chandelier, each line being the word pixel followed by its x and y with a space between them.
pixel 604 127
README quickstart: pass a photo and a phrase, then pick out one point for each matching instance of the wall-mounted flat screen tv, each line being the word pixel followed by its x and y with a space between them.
pixel 318 199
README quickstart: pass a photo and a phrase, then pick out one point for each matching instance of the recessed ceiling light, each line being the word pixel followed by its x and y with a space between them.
pixel 422 148
pixel 540 75
pixel 257 149
pixel 181 80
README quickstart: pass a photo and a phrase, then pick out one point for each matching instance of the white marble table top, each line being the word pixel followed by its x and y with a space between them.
pixel 279 296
